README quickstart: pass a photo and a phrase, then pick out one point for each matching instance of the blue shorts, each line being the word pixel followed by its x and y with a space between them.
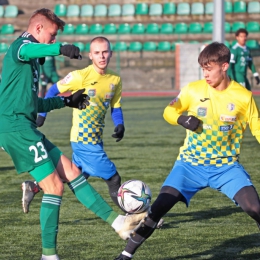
pixel 92 160
pixel 189 179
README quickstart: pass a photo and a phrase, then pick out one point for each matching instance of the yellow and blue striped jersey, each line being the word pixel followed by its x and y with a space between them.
pixel 103 90
pixel 224 116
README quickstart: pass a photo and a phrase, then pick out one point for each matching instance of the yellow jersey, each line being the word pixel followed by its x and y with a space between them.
pixel 103 90
pixel 224 116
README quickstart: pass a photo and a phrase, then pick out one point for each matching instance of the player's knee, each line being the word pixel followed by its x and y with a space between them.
pixel 114 181
pixel 55 188
pixel 253 210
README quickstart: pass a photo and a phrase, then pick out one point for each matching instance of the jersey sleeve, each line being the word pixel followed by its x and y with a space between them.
pixel 48 104
pixel 231 68
pixel 70 83
pixel 253 119
pixel 30 50
pixel 116 100
pixel 177 106
pixel 251 65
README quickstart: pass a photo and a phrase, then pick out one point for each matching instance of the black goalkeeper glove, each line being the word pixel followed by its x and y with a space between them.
pixel 189 122
pixel 257 80
pixel 77 100
pixel 119 132
pixel 40 120
pixel 70 51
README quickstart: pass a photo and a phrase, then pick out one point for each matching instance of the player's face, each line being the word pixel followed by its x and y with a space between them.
pixel 241 39
pixel 47 33
pixel 100 55
pixel 214 74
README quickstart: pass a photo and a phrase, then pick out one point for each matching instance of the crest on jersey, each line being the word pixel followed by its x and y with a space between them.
pixel 92 92
pixel 231 107
pixel 66 79
pixel 202 111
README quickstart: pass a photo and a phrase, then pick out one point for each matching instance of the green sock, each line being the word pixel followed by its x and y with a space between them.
pixel 49 219
pixel 91 199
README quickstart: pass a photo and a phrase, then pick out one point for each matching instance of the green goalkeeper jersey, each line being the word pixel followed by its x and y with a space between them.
pixel 241 59
pixel 19 102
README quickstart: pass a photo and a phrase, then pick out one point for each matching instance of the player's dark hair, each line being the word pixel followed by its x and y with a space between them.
pixel 215 52
pixel 49 15
pixel 100 39
pixel 241 30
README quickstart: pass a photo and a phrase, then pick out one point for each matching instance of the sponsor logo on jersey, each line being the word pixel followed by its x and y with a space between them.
pixel 204 99
pixel 92 92
pixel 207 127
pixel 225 128
pixel 202 111
pixel 66 79
pixel 93 83
pixel 112 87
pixel 231 106
pixel 109 95
pixel 106 104
pixel 227 118
pixel 174 101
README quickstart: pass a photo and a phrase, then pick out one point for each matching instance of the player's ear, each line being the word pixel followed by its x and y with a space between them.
pixel 90 56
pixel 225 66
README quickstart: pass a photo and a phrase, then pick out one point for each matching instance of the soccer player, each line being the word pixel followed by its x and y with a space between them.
pixel 219 110
pixel 49 74
pixel 29 149
pixel 241 59
pixel 104 88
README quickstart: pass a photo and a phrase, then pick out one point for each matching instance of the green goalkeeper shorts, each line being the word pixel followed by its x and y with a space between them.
pixel 31 152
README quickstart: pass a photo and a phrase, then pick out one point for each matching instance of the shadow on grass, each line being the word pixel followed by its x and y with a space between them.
pixel 228 250
pixel 8 168
pixel 201 215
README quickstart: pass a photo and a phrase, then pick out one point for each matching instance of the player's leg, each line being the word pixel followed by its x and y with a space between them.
pixel 248 86
pixel 114 184
pixel 29 153
pixel 178 186
pixel 235 182
pixel 248 199
pixel 91 199
pixel 93 161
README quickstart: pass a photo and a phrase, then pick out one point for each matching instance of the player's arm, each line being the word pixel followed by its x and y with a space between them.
pixel 30 50
pixel 52 92
pixel 70 83
pixel 173 112
pixel 231 68
pixel 253 118
pixel 76 100
pixel 253 69
pixel 117 114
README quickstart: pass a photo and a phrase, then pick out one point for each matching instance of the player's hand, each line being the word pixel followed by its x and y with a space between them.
pixel 119 132
pixel 70 51
pixel 189 122
pixel 77 100
pixel 40 120
pixel 257 80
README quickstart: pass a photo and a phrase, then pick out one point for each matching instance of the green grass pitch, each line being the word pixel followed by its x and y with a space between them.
pixel 211 228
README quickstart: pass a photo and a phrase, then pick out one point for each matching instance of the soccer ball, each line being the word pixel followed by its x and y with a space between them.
pixel 134 196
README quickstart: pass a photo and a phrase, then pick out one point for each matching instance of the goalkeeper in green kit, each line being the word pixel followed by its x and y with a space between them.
pixel 29 149
pixel 241 59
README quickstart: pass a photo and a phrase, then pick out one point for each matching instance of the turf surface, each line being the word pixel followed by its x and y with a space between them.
pixel 211 228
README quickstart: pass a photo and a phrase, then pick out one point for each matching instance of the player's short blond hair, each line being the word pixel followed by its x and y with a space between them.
pixel 49 15
pixel 100 39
